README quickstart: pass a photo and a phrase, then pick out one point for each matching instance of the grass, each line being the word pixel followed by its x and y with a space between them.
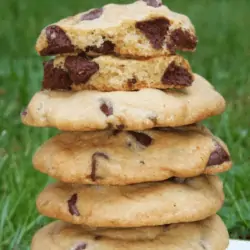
pixel 222 57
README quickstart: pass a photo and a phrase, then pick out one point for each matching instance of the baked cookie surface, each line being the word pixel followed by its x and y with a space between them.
pixel 148 204
pixel 126 157
pixel 110 73
pixel 207 234
pixel 139 29
pixel 129 110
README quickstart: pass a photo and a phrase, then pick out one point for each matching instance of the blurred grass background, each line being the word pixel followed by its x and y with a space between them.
pixel 223 57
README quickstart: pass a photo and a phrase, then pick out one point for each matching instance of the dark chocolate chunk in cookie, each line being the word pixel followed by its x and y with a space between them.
pixel 106 108
pixel 182 39
pixel 142 138
pixel 106 48
pixel 81 246
pixel 95 156
pixel 80 69
pixel 153 3
pixel 93 14
pixel 131 82
pixel 55 78
pixel 155 31
pixel 58 42
pixel 176 75
pixel 218 156
pixel 72 205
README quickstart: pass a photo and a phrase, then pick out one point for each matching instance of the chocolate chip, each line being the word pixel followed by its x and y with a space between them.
pixel 93 14
pixel 142 162
pixel 106 48
pixel 58 42
pixel 81 246
pixel 182 39
pixel 153 3
pixel 155 31
pixel 106 108
pixel 131 82
pixel 120 127
pixel 94 163
pixel 80 69
pixel 218 156
pixel 72 205
pixel 176 75
pixel 142 138
pixel 55 78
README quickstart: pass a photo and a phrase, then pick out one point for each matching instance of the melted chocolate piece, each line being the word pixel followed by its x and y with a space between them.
pixel 80 69
pixel 176 75
pixel 182 39
pixel 81 246
pixel 120 127
pixel 131 82
pixel 218 156
pixel 58 42
pixel 155 31
pixel 93 14
pixel 106 48
pixel 94 164
pixel 106 108
pixel 55 78
pixel 153 3
pixel 72 205
pixel 142 138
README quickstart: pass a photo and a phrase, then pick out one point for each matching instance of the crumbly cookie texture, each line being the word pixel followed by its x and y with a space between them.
pixel 148 204
pixel 110 73
pixel 136 30
pixel 207 234
pixel 128 110
pixel 126 157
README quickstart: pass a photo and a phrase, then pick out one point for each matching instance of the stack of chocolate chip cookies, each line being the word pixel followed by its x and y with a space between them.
pixel 135 170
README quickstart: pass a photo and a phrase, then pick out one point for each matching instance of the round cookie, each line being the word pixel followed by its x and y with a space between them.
pixel 148 204
pixel 207 234
pixel 109 73
pixel 126 157
pixel 128 110
pixel 140 29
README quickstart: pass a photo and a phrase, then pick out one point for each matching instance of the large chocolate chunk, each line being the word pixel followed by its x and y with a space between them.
pixel 182 39
pixel 142 138
pixel 106 48
pixel 72 205
pixel 177 75
pixel 95 156
pixel 218 156
pixel 80 69
pixel 153 3
pixel 93 14
pixel 58 42
pixel 55 78
pixel 155 31
pixel 106 108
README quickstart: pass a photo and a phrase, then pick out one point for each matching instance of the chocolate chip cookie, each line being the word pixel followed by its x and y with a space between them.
pixel 109 73
pixel 148 204
pixel 141 29
pixel 126 157
pixel 207 234
pixel 129 110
